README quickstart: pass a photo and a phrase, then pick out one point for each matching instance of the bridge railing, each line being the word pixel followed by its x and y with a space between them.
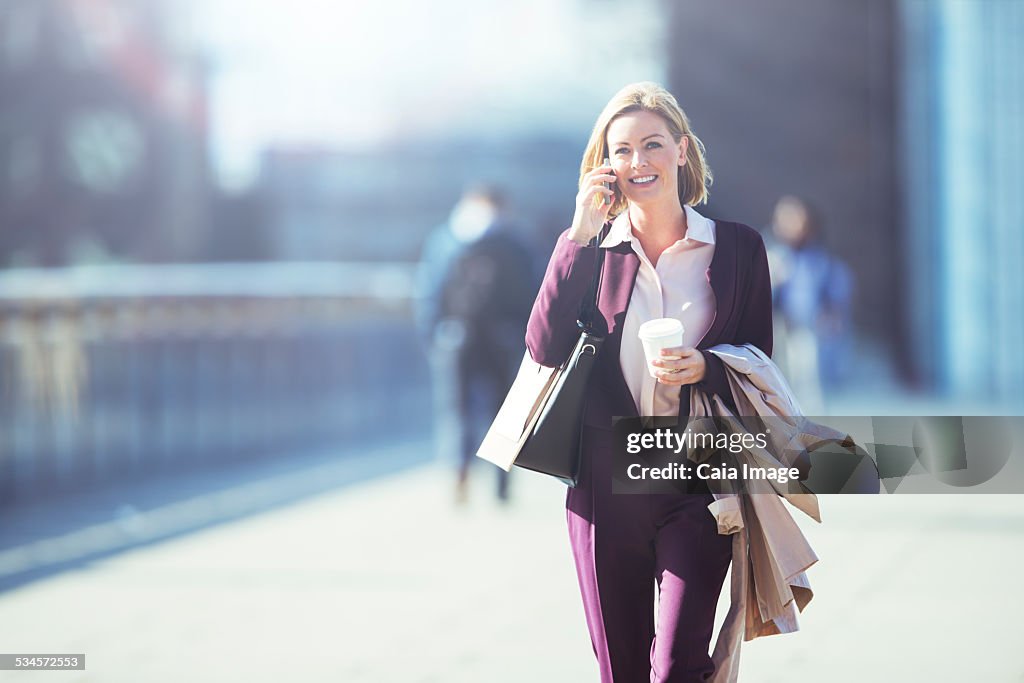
pixel 113 371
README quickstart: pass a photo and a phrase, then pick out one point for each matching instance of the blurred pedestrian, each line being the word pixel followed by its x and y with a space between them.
pixel 813 295
pixel 476 285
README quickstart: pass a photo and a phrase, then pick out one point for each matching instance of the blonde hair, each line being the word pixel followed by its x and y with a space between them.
pixel 694 177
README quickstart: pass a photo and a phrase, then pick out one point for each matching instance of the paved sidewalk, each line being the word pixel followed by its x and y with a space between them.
pixel 382 581
pixel 388 581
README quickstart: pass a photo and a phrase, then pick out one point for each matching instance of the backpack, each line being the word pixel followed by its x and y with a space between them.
pixel 488 285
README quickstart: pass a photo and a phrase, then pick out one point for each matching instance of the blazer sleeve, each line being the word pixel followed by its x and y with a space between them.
pixel 552 331
pixel 755 326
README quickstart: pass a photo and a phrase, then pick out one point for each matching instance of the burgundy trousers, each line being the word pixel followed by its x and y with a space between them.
pixel 625 547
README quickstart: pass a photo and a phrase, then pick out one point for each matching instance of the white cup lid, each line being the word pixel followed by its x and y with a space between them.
pixel 660 327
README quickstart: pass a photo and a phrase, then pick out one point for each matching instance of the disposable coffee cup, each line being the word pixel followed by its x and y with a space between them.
pixel 658 334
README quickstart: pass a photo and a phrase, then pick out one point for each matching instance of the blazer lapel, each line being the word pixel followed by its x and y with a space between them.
pixel 722 275
pixel 621 265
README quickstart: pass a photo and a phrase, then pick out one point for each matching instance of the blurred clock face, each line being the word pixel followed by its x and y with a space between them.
pixel 103 151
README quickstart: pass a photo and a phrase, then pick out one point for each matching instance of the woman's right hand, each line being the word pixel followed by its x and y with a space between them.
pixel 591 206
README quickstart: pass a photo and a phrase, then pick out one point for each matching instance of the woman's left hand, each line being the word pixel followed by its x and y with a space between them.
pixel 680 365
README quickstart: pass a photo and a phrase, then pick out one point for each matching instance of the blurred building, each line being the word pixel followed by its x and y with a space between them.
pixel 379 203
pixel 796 97
pixel 102 132
pixel 963 166
pixel 901 122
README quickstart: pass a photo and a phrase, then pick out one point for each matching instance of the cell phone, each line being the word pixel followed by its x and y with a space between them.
pixel 607 198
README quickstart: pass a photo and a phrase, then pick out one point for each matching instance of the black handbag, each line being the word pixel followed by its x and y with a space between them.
pixel 553 446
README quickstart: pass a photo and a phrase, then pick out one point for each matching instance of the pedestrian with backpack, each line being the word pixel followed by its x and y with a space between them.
pixel 476 287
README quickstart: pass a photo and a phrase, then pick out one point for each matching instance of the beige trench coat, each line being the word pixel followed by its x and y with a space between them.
pixel 770 554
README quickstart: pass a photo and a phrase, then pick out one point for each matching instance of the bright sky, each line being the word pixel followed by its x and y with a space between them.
pixel 339 72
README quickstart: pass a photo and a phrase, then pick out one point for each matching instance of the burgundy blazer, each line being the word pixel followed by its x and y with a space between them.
pixel 743 313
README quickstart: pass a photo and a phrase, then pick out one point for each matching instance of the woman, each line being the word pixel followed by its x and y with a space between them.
pixel 662 259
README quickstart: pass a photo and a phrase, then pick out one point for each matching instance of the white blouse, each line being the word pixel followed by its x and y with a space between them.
pixel 679 287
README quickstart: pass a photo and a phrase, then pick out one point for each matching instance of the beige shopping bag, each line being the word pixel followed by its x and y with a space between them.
pixel 518 414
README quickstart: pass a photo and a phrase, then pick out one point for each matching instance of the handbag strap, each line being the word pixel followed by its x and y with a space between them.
pixel 588 307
